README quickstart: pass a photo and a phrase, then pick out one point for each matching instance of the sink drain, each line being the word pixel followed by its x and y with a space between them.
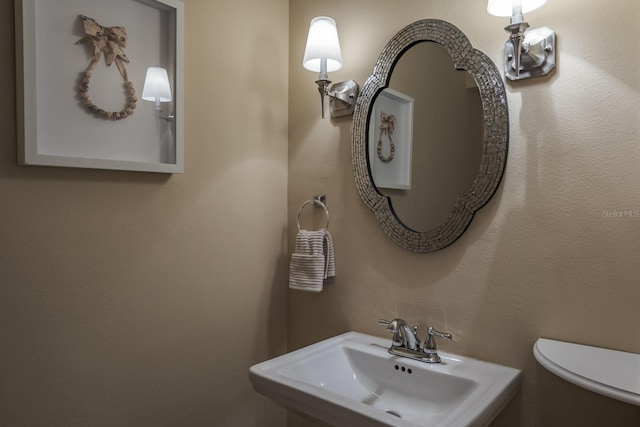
pixel 394 413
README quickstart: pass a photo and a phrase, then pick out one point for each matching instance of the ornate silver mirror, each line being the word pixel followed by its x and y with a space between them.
pixel 424 182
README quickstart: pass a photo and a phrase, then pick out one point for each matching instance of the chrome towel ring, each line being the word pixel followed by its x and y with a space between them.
pixel 318 201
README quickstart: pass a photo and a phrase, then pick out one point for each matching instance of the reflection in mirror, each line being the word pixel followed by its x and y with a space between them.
pixel 455 169
pixel 447 130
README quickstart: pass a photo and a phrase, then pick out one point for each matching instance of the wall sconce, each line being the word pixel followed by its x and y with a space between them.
pixel 322 54
pixel 527 53
pixel 157 88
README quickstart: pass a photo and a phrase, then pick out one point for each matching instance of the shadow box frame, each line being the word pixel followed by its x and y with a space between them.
pixel 68 135
pixel 396 173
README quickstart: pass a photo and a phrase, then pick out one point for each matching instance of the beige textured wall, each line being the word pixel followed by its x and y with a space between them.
pixel 543 259
pixel 133 299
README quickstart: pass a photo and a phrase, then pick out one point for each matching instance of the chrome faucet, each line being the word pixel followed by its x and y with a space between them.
pixel 405 341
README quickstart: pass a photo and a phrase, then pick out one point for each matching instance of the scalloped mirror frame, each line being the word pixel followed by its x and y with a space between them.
pixel 495 138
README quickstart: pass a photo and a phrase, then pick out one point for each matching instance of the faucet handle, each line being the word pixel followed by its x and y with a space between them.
pixel 430 348
pixel 445 335
pixel 393 325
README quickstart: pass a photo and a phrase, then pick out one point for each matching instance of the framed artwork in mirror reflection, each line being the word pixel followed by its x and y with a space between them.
pixel 391 140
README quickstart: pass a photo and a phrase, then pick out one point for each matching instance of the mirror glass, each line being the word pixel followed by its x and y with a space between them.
pixel 446 134
pixel 430 135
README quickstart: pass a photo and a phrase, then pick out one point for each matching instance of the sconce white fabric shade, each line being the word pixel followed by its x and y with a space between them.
pixel 156 85
pixel 505 7
pixel 322 43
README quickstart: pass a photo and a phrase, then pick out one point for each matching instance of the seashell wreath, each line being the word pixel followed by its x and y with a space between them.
pixel 111 41
pixel 387 126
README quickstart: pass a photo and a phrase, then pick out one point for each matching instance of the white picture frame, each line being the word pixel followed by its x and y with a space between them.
pixel 394 173
pixel 55 128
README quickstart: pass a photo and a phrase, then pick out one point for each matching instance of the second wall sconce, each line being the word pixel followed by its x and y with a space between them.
pixel 157 88
pixel 322 54
pixel 528 52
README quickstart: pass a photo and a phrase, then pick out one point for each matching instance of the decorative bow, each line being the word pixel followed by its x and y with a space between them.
pixel 108 40
pixel 387 123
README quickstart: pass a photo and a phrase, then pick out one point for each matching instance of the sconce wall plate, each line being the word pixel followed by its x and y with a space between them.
pixel 342 98
pixel 537 54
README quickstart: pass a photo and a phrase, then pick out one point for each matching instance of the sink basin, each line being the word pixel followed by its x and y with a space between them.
pixel 352 380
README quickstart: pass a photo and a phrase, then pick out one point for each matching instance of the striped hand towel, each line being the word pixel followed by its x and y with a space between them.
pixel 313 261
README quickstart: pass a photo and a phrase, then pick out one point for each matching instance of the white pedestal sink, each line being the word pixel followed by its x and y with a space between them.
pixel 352 380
